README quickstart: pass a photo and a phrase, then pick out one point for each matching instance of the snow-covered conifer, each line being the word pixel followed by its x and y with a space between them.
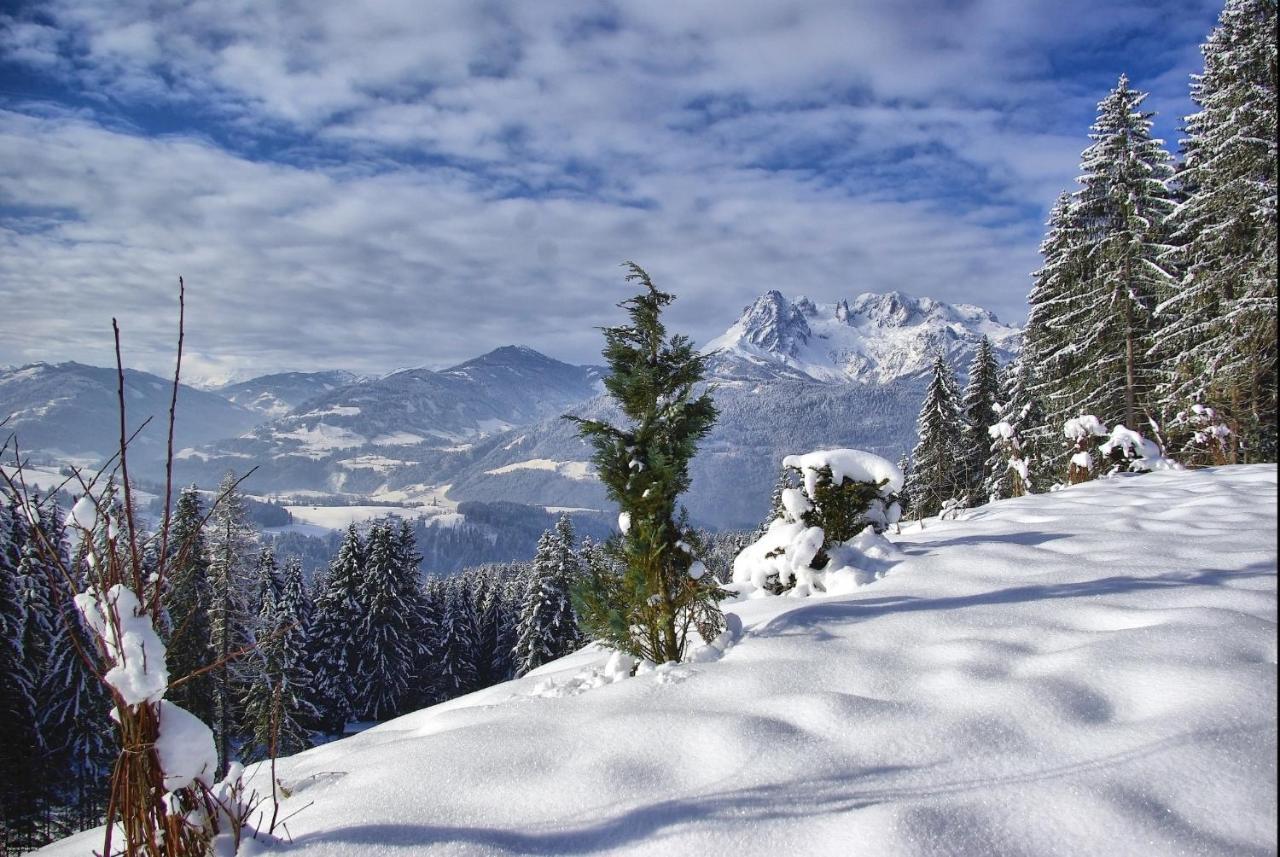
pixel 389 600
pixel 187 603
pixel 455 651
pixel 978 407
pixel 548 627
pixel 1120 210
pixel 332 637
pixel 232 550
pixel 1218 336
pixel 937 462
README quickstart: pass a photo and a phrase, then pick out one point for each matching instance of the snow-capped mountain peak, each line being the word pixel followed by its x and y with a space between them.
pixel 874 338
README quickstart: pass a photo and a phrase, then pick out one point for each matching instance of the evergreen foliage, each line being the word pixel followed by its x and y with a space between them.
pixel 332 640
pixel 937 462
pixel 648 608
pixel 232 549
pixel 277 707
pixel 978 407
pixel 188 601
pixel 1218 337
pixel 389 602
pixel 548 627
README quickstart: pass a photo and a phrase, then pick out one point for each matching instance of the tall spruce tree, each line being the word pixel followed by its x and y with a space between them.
pixel 455 649
pixel 1120 210
pixel 21 746
pixel 937 462
pixel 277 707
pixel 390 604
pixel 1218 331
pixel 978 407
pixel 232 549
pixel 548 628
pixel 188 601
pixel 333 645
pixel 648 609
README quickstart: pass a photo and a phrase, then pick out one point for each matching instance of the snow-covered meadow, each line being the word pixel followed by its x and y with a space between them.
pixel 1087 672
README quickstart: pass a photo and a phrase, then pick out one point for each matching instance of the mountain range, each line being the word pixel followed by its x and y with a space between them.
pixel 787 375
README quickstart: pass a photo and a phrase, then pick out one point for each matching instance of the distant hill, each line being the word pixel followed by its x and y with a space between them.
pixel 68 412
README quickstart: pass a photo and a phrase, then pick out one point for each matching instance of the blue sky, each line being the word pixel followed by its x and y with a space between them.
pixel 377 185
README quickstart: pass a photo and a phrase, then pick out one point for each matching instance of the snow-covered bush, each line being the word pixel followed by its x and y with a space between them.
pixel 826 535
pixel 1084 432
pixel 1130 451
pixel 1006 443
pixel 1210 440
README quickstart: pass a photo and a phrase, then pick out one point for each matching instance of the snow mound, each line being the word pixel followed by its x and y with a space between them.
pixel 846 464
pixel 185 747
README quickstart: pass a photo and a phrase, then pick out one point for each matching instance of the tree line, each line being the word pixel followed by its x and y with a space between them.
pixel 1155 308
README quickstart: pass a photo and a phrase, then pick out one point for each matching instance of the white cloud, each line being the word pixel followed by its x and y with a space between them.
pixel 371 185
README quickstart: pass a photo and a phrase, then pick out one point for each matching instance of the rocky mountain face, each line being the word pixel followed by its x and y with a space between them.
pixel 68 413
pixel 872 339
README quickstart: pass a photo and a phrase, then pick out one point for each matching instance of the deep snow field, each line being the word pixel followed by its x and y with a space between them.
pixel 1090 672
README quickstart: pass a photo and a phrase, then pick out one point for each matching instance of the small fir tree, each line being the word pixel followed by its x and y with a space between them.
pixel 548 628
pixel 937 462
pixel 188 600
pixel 978 407
pixel 648 609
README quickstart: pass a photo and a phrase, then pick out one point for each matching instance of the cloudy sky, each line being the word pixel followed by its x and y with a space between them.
pixel 372 185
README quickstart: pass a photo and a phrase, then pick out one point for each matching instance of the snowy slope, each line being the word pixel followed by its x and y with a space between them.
pixel 873 339
pixel 68 412
pixel 275 395
pixel 1091 672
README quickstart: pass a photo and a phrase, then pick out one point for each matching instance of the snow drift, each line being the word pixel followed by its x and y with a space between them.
pixel 1090 672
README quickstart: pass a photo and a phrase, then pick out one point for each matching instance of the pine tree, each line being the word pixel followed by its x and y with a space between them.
pixel 548 628
pixel 648 609
pixel 73 705
pixel 937 462
pixel 1218 335
pixel 389 602
pixel 277 708
pixel 232 543
pixel 455 652
pixel 332 643
pixel 1120 209
pixel 978 407
pixel 188 601
pixel 21 746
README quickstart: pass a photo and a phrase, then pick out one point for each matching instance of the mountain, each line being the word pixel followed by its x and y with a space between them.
pixel 872 339
pixel 278 394
pixel 1045 677
pixel 411 422
pixel 67 413
pixel 759 424
pixel 787 376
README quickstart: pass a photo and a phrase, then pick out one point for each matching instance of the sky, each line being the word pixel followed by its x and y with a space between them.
pixel 376 185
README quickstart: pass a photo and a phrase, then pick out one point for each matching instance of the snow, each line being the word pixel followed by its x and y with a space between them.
pixel 84 513
pixel 624 522
pixel 1087 672
pixel 845 463
pixel 340 517
pixel 1084 426
pixel 577 470
pixel 138 671
pixel 397 438
pixel 185 747
pixel 323 438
